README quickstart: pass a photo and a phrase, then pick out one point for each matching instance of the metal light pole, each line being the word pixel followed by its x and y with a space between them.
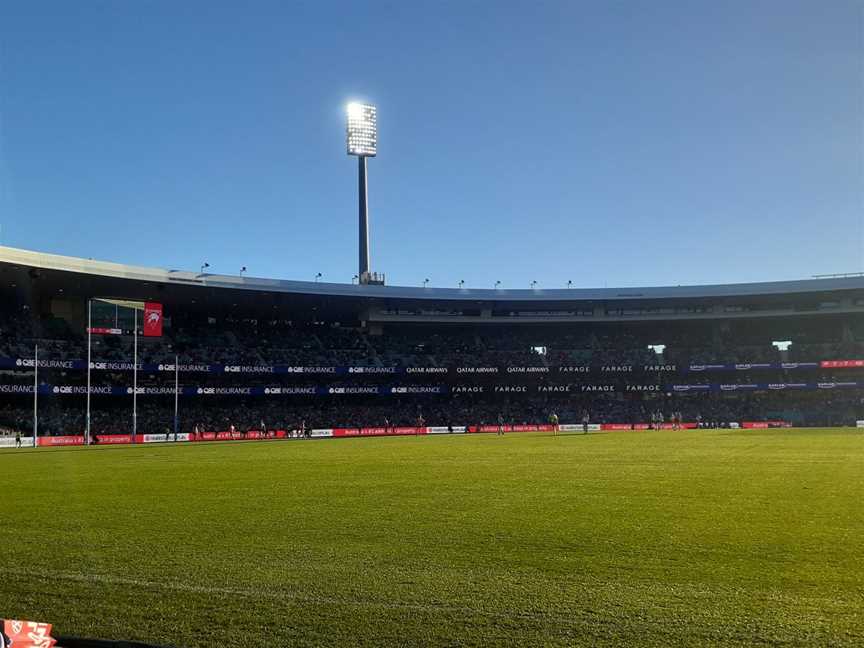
pixel 362 141
pixel 35 393
pixel 89 345
pixel 135 382
pixel 176 394
pixel 363 234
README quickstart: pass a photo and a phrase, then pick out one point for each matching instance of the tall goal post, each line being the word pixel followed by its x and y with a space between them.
pixel 120 317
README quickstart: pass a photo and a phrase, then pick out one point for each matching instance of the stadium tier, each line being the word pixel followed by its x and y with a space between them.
pixel 281 355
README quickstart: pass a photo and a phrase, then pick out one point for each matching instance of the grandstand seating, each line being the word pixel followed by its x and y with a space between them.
pixel 530 351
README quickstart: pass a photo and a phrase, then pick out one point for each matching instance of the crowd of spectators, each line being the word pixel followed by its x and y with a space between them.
pixel 249 342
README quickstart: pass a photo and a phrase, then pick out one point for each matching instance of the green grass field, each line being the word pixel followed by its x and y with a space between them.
pixel 716 538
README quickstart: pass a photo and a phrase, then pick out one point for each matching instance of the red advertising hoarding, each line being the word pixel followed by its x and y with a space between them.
pixel 60 440
pixel 377 431
pixel 841 364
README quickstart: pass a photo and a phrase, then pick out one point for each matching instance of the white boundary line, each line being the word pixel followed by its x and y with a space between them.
pixel 107 579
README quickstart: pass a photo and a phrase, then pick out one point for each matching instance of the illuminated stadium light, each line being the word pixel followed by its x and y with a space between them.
pixel 361 133
pixel 362 129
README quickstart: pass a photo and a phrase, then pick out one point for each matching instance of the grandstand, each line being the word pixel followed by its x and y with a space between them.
pixel 324 356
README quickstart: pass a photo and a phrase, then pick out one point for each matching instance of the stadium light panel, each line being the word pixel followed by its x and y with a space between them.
pixel 362 129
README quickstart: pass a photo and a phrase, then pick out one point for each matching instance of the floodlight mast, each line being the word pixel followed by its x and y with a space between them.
pixel 362 142
pixel 363 193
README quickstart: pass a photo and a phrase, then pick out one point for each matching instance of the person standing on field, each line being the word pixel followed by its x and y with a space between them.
pixel 17 438
pixel 553 421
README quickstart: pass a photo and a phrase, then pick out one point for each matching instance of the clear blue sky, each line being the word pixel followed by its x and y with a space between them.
pixel 611 143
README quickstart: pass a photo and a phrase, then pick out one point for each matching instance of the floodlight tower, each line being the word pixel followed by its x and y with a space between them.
pixel 362 141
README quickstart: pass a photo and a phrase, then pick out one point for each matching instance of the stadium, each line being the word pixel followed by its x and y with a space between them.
pixel 208 505
pixel 363 359
pixel 196 459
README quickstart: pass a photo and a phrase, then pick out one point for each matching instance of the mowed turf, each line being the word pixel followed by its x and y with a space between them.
pixel 629 538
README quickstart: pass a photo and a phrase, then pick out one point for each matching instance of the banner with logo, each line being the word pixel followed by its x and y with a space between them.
pixel 428 390
pixel 378 431
pixel 152 319
pixel 111 439
pixel 237 435
pixel 645 426
pixel 60 440
pixel 163 438
pixel 155 328
pixel 509 428
pixel 102 330
pixel 9 441
pixel 841 364
pixel 761 425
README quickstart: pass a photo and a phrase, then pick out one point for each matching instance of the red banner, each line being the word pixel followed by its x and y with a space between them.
pixel 760 425
pixel 645 426
pixel 841 364
pixel 26 634
pixel 112 439
pixel 60 440
pixel 237 436
pixel 377 431
pixel 510 428
pixel 152 319
pixel 101 330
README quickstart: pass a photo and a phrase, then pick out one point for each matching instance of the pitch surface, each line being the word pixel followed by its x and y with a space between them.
pixel 657 538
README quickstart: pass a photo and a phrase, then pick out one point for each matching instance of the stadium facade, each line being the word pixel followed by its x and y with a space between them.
pixel 394 355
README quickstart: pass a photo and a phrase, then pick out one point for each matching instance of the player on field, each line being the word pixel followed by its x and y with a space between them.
pixel 17 438
pixel 553 421
pixel 500 425
pixel 586 419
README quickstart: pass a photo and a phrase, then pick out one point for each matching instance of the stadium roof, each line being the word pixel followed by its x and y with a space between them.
pixel 45 280
pixel 44 261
